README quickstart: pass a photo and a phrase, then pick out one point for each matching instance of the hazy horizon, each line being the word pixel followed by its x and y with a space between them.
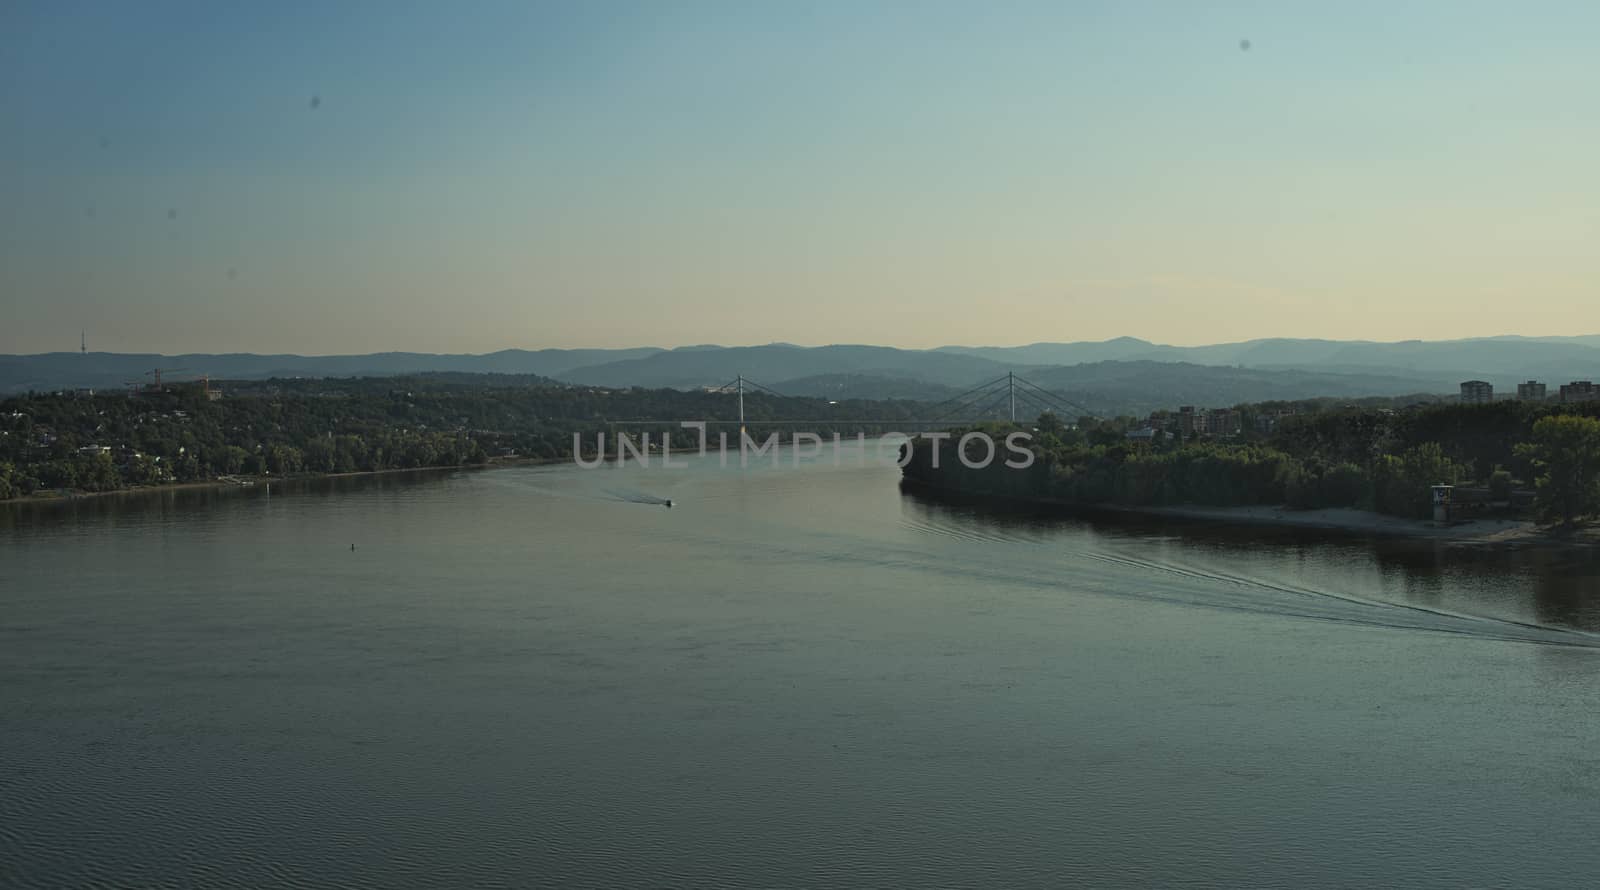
pixel 92 348
pixel 367 178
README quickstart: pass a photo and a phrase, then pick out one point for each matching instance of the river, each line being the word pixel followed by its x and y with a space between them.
pixel 796 676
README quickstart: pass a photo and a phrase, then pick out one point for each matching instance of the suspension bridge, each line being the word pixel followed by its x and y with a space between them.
pixel 997 399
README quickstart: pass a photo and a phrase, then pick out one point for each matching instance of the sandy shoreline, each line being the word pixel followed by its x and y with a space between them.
pixel 1494 532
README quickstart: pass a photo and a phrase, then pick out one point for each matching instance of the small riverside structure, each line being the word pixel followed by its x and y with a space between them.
pixel 1442 496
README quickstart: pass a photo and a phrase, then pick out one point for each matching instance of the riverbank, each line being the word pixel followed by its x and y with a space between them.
pixel 1480 532
pixel 1506 533
pixel 243 481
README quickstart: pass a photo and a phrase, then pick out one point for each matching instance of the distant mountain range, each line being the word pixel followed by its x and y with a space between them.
pixel 1125 373
pixel 1489 357
pixel 55 370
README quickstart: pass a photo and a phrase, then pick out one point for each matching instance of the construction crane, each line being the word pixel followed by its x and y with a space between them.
pixel 155 384
pixel 157 372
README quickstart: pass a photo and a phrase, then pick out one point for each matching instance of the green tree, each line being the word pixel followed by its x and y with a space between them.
pixel 186 467
pixel 284 459
pixel 350 454
pixel 144 470
pixel 1566 448
pixel 97 473
pixel 255 464
pixel 1401 485
pixel 232 459
pixel 320 455
pixel 1500 485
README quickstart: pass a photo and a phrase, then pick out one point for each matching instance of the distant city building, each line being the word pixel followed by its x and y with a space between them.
pixel 1267 421
pixel 1186 419
pixel 1223 422
pixel 1532 391
pixel 1580 391
pixel 1476 392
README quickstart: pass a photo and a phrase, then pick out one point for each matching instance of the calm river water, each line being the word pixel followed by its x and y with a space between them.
pixel 795 677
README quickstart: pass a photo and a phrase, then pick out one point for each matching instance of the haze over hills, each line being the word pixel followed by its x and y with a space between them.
pixel 54 370
pixel 1125 373
pixel 1437 359
pixel 701 367
pixel 1139 387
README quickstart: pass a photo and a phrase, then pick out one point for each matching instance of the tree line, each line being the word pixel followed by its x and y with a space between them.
pixel 287 427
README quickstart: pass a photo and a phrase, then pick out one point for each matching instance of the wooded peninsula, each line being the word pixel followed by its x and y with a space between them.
pixel 1506 458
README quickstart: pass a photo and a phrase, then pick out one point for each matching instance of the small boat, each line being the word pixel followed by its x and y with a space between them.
pixel 669 503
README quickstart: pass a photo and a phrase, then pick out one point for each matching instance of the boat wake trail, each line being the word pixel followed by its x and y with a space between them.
pixel 958 531
pixel 1208 587
pixel 634 496
pixel 1145 574
pixel 971 553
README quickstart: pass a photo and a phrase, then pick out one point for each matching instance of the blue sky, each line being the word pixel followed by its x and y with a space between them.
pixel 357 177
